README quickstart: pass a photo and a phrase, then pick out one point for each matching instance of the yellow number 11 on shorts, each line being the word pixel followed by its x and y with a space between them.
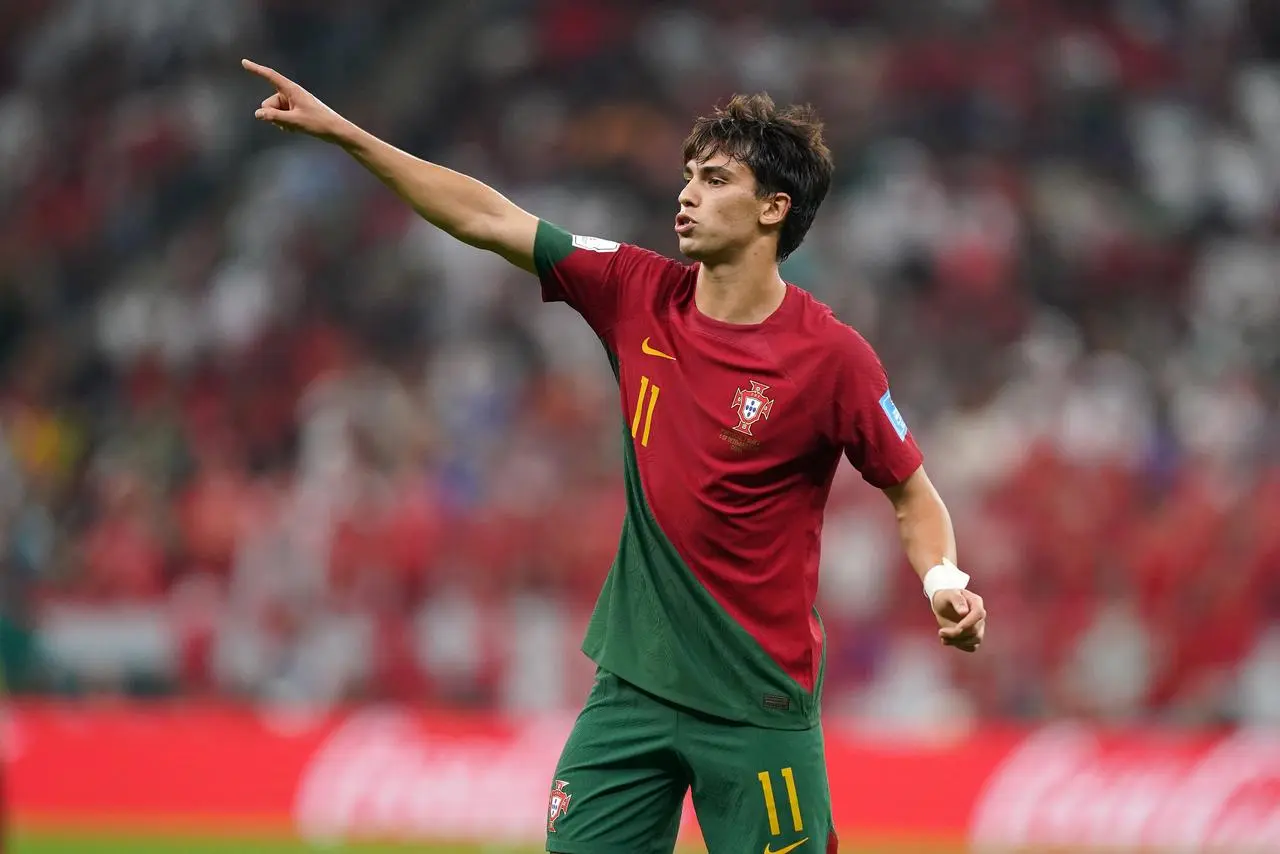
pixel 771 804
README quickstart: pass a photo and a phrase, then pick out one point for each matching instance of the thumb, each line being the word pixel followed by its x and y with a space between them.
pixel 271 114
pixel 959 602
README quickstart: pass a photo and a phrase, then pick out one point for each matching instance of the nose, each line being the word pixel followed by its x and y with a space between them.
pixel 687 197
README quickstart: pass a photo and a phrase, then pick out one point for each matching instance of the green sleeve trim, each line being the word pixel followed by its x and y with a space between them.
pixel 551 245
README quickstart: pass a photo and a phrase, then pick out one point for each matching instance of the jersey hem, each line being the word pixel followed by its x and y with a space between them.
pixel 798 723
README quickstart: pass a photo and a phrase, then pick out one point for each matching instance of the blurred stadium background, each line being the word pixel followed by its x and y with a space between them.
pixel 292 486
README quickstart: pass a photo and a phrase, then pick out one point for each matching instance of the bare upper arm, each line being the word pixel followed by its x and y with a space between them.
pixel 916 485
pixel 510 233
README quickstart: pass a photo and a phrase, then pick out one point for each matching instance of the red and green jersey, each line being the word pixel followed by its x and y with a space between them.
pixel 732 435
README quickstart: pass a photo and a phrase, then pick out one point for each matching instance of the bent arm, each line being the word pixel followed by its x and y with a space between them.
pixel 924 524
pixel 458 204
pixel 929 540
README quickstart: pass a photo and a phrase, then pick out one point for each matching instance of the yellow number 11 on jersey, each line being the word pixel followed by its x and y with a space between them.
pixel 640 408
pixel 771 803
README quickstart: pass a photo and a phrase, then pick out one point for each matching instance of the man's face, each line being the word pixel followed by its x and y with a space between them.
pixel 720 214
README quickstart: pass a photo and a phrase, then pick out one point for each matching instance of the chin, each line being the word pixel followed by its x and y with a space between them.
pixel 693 249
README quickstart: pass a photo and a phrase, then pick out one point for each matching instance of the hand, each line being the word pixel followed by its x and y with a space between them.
pixel 293 108
pixel 962 618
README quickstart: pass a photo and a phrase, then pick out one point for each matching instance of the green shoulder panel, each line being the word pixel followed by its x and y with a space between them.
pixel 551 245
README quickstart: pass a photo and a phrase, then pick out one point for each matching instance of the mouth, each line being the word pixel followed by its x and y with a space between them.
pixel 684 223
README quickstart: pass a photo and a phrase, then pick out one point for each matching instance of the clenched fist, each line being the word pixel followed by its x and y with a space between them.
pixel 295 109
pixel 962 618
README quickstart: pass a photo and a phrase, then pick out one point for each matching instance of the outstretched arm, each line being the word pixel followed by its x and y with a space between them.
pixel 930 543
pixel 458 204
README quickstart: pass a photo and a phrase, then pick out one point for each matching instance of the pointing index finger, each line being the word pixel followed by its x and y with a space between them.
pixel 270 74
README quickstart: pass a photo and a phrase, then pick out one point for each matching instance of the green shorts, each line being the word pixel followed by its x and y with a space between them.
pixel 621 782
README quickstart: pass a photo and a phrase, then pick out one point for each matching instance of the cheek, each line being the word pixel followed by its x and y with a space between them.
pixel 738 214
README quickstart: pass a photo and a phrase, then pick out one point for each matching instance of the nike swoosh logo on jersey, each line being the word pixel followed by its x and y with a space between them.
pixel 649 351
pixel 792 847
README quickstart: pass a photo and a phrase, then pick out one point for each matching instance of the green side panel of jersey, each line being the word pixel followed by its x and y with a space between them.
pixel 551 245
pixel 656 626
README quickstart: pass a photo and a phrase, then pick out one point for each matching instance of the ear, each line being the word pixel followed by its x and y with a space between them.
pixel 775 208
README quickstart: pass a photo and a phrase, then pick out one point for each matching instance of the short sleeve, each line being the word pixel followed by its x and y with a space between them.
pixel 869 427
pixel 584 272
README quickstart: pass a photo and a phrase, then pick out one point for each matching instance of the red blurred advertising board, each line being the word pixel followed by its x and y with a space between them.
pixel 396 774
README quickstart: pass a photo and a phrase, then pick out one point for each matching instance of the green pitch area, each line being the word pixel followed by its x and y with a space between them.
pixel 70 845
pixel 48 843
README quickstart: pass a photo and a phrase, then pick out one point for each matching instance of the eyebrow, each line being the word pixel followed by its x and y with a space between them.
pixel 709 171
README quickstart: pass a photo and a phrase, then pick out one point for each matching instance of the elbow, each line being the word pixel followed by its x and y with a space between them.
pixel 480 230
pixel 490 230
pixel 471 230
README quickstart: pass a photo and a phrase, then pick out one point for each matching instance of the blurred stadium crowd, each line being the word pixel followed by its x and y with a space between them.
pixel 263 434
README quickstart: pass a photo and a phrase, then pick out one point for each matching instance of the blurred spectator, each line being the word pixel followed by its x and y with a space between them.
pixel 264 434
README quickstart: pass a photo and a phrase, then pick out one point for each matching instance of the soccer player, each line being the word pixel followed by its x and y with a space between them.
pixel 739 393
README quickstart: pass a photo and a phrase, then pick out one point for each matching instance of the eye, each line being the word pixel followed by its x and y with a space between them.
pixel 716 182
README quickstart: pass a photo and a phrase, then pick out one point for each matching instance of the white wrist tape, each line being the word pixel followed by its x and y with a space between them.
pixel 944 576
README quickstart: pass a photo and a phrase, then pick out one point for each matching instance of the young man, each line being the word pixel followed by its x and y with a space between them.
pixel 740 393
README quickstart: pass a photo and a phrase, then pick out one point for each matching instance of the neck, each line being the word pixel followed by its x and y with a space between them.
pixel 745 290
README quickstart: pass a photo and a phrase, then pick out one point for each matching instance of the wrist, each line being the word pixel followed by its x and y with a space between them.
pixel 348 135
pixel 944 576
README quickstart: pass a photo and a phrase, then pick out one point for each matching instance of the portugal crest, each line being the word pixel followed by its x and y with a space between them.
pixel 559 804
pixel 751 406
